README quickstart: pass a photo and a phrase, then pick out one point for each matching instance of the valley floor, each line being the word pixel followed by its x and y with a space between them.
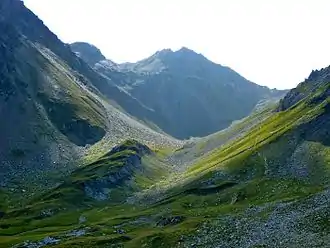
pixel 221 191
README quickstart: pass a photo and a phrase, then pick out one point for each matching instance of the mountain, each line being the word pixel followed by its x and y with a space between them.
pixel 262 182
pixel 77 170
pixel 88 52
pixel 172 84
pixel 53 106
pixel 316 80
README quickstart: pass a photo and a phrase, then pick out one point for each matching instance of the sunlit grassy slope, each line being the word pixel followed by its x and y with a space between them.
pixel 271 179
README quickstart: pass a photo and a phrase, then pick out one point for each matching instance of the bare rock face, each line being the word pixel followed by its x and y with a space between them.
pixel 316 79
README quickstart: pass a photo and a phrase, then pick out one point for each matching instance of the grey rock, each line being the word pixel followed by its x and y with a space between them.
pixel 77 233
pixel 45 242
pixel 82 219
pixel 171 220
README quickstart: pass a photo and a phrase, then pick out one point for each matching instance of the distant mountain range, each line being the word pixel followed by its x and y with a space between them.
pixel 188 95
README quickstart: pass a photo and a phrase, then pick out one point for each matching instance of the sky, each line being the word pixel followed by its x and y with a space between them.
pixel 276 43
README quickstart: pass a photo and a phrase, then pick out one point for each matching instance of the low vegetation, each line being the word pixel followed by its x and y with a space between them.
pixel 273 171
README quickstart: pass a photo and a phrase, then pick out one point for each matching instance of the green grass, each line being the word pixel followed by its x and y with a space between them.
pixel 67 103
pixel 236 129
pixel 229 180
pixel 195 208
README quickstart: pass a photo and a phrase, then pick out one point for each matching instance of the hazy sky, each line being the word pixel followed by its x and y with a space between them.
pixel 271 42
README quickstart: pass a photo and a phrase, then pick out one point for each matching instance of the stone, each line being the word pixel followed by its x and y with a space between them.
pixel 82 219
pixel 173 220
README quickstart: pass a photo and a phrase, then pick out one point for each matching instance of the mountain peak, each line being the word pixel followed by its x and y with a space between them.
pixel 187 53
pixel 186 50
pixel 182 51
pixel 88 52
pixel 162 53
pixel 165 51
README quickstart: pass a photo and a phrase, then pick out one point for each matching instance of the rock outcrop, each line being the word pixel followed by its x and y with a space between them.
pixel 122 162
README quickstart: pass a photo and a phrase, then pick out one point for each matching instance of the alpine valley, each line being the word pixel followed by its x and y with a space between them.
pixel 171 151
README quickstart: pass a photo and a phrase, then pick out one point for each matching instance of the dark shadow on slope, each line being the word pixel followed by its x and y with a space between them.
pixel 63 115
pixel 212 189
pixel 318 130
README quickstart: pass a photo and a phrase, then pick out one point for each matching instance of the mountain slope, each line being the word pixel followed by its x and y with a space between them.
pixel 174 84
pixel 54 107
pixel 312 84
pixel 266 185
pixel 89 53
pixel 263 182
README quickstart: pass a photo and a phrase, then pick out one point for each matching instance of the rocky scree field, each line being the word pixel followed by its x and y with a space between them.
pixel 58 105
